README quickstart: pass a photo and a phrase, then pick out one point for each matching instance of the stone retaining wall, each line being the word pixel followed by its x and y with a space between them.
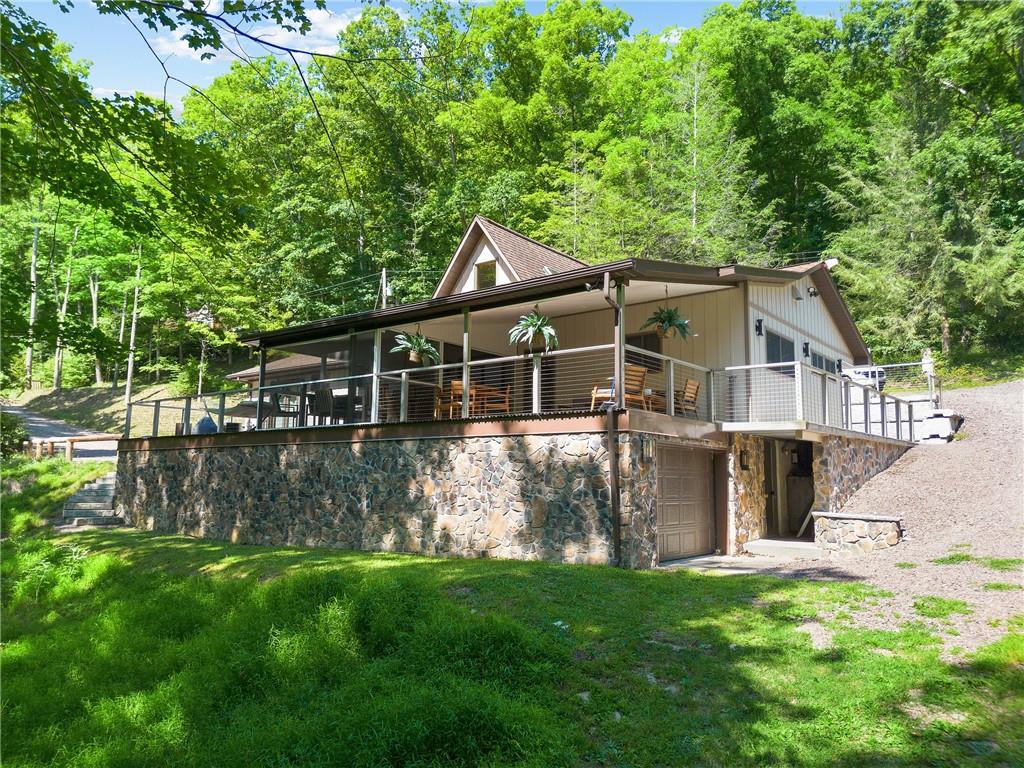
pixel 843 464
pixel 838 535
pixel 747 498
pixel 532 497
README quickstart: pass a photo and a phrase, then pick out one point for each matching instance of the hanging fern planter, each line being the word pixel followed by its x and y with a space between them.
pixel 419 348
pixel 668 320
pixel 535 330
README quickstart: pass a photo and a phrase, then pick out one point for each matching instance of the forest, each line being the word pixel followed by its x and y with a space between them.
pixel 891 139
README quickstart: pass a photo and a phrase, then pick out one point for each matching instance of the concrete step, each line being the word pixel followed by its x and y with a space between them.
pixel 96 512
pixel 784 548
pixel 95 520
pixel 72 504
pixel 89 495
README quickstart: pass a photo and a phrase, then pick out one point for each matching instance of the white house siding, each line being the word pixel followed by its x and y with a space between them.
pixel 802 321
pixel 481 254
pixel 716 320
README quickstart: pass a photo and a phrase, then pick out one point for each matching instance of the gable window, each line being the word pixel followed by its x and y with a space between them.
pixel 779 348
pixel 486 274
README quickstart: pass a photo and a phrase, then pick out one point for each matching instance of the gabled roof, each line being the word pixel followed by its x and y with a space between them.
pixel 524 257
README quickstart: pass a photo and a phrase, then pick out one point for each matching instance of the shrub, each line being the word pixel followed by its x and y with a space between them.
pixel 12 434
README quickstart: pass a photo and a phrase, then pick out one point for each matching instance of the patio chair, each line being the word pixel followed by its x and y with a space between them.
pixel 633 393
pixel 322 406
pixel 686 400
pixel 494 399
pixel 274 410
pixel 451 399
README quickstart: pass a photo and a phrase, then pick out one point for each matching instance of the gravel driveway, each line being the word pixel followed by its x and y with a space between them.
pixel 966 498
pixel 45 427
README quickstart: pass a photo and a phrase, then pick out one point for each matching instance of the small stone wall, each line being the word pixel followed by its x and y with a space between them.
pixel 747 500
pixel 839 536
pixel 532 497
pixel 843 464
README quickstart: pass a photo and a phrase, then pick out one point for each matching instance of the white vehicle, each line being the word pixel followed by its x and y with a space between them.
pixel 872 375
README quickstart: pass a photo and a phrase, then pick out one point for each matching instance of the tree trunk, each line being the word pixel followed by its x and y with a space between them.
pixel 33 278
pixel 120 342
pixel 58 352
pixel 202 364
pixel 693 144
pixel 131 338
pixel 94 293
pixel 945 334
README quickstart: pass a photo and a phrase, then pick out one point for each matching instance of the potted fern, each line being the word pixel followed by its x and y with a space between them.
pixel 534 329
pixel 666 320
pixel 419 348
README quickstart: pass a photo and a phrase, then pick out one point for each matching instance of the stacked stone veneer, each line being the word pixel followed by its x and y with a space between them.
pixel 844 464
pixel 534 497
pixel 839 535
pixel 841 466
pixel 747 498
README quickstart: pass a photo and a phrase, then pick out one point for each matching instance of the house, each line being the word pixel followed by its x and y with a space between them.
pixel 745 431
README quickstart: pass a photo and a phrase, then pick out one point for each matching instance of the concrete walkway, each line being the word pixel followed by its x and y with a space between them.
pixel 45 427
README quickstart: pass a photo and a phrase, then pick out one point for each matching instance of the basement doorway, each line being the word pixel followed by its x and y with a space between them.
pixel 789 489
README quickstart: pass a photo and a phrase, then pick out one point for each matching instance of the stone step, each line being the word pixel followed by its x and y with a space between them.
pixel 784 548
pixel 89 493
pixel 105 520
pixel 106 509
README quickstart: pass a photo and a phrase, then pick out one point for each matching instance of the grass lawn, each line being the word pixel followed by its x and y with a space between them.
pixel 131 649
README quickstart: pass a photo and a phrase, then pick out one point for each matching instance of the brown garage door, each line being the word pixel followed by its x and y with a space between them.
pixel 685 503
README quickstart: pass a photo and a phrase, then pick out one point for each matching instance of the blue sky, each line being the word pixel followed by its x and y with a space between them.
pixel 121 62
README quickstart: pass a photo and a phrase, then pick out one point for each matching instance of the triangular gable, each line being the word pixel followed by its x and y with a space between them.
pixel 520 257
pixel 821 276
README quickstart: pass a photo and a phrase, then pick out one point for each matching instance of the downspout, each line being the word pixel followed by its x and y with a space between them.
pixel 613 439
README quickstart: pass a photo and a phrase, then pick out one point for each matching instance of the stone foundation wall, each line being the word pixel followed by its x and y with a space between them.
pixel 747 499
pixel 533 497
pixel 840 536
pixel 844 464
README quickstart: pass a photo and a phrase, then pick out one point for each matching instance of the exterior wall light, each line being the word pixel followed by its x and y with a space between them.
pixel 744 459
pixel 807 349
pixel 759 327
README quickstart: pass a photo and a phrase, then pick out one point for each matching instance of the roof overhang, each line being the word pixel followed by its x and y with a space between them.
pixel 536 289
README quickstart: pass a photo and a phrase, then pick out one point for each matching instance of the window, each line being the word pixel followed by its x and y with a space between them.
pixel 780 349
pixel 486 274
pixel 822 363
pixel 650 341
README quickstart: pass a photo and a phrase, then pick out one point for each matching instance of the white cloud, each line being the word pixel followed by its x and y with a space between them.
pixel 322 36
pixel 170 45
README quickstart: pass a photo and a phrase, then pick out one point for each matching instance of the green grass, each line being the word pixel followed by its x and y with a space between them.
pixel 940 607
pixel 905 564
pixel 1001 586
pixel 981 368
pixel 36 490
pixel 133 649
pixel 994 563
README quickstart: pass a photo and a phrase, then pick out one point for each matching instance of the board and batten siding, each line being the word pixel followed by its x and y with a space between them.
pixel 802 321
pixel 716 320
pixel 481 254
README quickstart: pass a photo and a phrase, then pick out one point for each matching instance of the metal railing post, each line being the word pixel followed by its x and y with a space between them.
pixel 220 412
pixel 865 397
pixel 910 420
pixel 885 416
pixel 824 399
pixel 847 406
pixel 403 398
pixel 899 415
pixel 259 387
pixel 156 418
pixel 128 421
pixel 536 384
pixel 670 390
pixel 712 406
pixel 303 403
pixel 798 382
pixel 187 417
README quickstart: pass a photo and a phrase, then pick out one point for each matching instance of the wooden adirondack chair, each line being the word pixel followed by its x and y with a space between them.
pixel 633 393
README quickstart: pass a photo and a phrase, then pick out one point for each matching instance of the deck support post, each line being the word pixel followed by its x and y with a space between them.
pixel 375 383
pixel 156 418
pixel 620 345
pixel 260 383
pixel 467 352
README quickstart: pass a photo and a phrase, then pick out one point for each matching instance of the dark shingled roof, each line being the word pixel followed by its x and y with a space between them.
pixel 294 363
pixel 525 255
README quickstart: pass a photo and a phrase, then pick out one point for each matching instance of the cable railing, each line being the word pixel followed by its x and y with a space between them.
pixel 559 381
pixel 749 396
